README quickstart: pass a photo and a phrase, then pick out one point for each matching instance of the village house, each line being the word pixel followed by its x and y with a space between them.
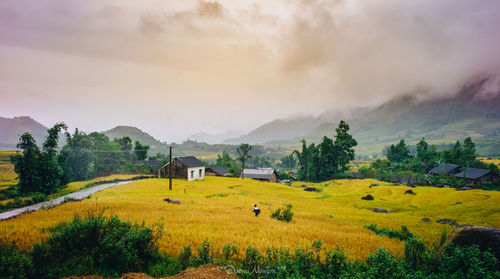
pixel 217 171
pixel 189 168
pixel 445 169
pixel 476 176
pixel 263 174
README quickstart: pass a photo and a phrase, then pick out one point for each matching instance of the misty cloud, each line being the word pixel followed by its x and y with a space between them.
pixel 235 60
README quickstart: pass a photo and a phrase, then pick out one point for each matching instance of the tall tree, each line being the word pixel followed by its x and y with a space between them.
pixel 345 144
pixel 51 172
pixel 141 151
pixel 468 155
pixel 329 162
pixel 427 157
pixel 76 157
pixel 26 165
pixel 39 171
pixel 243 155
pixel 125 143
pixel 289 161
pixel 398 153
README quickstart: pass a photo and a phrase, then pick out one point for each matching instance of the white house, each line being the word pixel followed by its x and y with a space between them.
pixel 189 168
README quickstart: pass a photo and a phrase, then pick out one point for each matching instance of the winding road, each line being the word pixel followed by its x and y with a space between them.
pixel 79 195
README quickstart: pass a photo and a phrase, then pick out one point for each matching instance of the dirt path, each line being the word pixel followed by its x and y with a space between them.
pixel 79 195
pixel 207 272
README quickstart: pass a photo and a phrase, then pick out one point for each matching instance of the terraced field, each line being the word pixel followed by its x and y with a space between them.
pixel 219 209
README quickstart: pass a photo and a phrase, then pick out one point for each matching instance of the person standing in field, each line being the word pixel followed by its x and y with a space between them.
pixel 256 210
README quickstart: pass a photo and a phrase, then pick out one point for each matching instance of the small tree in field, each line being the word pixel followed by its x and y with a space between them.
pixel 243 151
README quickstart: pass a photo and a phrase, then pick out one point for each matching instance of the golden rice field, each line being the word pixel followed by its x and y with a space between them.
pixel 7 175
pixel 219 209
pixel 491 160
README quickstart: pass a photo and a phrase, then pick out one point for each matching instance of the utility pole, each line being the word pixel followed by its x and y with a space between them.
pixel 170 170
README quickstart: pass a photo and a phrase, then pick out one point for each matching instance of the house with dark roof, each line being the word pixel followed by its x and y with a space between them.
pixel 476 176
pixel 217 171
pixel 189 168
pixel 263 174
pixel 445 169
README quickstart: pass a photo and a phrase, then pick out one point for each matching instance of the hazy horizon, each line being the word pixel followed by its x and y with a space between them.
pixel 176 68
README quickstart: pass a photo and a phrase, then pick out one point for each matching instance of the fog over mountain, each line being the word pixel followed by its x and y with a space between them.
pixel 176 68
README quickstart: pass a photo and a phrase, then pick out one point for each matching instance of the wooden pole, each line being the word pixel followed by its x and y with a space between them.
pixel 170 170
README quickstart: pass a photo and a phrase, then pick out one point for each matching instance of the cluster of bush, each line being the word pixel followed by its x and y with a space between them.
pixel 284 215
pixel 109 247
pixel 403 234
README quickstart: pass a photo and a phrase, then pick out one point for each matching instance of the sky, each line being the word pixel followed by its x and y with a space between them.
pixel 174 68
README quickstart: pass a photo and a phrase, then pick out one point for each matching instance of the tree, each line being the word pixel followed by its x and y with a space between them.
pixel 141 151
pixel 468 155
pixel 76 157
pixel 398 153
pixel 243 150
pixel 26 165
pixel 39 171
pixel 427 157
pixel 108 155
pixel 345 144
pixel 289 161
pixel 329 159
pixel 227 161
pixel 125 143
pixel 307 160
pixel 51 173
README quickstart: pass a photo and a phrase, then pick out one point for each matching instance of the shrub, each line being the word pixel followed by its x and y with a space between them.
pixel 229 251
pixel 382 265
pixel 415 252
pixel 95 245
pixel 285 215
pixel 38 197
pixel 166 267
pixel 335 262
pixel 185 256
pixel 252 261
pixel 14 263
pixel 204 252
pixel 468 262
pixel 403 234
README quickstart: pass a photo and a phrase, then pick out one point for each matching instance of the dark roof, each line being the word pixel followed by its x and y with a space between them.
pixel 444 169
pixel 266 173
pixel 151 163
pixel 191 161
pixel 219 170
pixel 472 173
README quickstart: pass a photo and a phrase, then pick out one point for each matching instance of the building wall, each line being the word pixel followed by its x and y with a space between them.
pixel 178 170
pixel 196 173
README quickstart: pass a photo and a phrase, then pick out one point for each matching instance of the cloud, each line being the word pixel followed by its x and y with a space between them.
pixel 372 51
pixel 263 59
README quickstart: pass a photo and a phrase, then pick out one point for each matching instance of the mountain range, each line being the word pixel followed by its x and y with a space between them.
pixel 440 121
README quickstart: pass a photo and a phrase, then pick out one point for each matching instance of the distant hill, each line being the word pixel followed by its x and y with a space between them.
pixel 137 134
pixel 280 129
pixel 440 121
pixel 213 138
pixel 12 128
pixel 134 133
